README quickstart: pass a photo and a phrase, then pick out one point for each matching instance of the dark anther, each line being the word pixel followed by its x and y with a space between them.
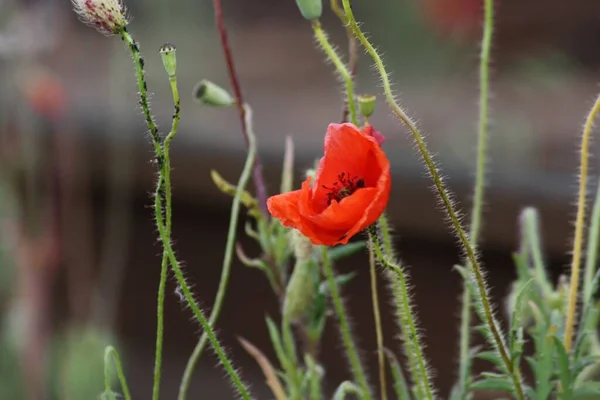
pixel 343 187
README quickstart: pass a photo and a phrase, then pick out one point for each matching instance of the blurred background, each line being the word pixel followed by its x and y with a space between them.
pixel 79 258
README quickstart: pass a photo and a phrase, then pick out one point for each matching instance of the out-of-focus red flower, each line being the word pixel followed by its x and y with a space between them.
pixel 350 190
pixel 45 94
pixel 455 17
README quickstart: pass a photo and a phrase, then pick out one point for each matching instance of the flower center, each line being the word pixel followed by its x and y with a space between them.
pixel 343 187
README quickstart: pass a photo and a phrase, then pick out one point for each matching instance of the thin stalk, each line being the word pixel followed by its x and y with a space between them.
pixel 349 345
pixel 478 196
pixel 408 323
pixel 378 330
pixel 341 68
pixel 109 352
pixel 352 50
pixel 446 201
pixel 259 181
pixel 227 365
pixel 164 184
pixel 227 259
pixel 579 222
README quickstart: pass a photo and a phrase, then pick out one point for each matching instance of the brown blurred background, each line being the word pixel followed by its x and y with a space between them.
pixel 79 245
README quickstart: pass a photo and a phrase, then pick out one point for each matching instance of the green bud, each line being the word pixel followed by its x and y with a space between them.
pixel 211 94
pixel 310 9
pixel 300 290
pixel 167 53
pixel 366 104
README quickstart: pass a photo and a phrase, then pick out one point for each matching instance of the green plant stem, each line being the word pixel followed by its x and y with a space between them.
pixel 592 251
pixel 321 37
pixel 407 322
pixel 227 365
pixel 109 352
pixel 228 257
pixel 378 330
pixel 164 184
pixel 352 49
pixel 579 222
pixel 357 368
pixel 453 215
pixel 143 92
pixel 478 196
pixel 532 236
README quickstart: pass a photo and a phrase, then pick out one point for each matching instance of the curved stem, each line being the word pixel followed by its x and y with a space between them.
pixel 352 49
pixel 378 330
pixel 321 37
pixel 579 222
pixel 164 184
pixel 109 352
pixel 349 345
pixel 227 260
pixel 478 196
pixel 447 203
pixel 227 365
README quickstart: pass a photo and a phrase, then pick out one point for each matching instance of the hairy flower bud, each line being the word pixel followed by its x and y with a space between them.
pixel 107 16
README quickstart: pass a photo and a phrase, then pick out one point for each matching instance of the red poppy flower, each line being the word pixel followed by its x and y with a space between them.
pixel 350 191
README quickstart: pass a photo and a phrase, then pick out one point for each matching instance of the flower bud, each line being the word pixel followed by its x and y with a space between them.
pixel 366 104
pixel 107 16
pixel 169 59
pixel 211 94
pixel 300 290
pixel 310 9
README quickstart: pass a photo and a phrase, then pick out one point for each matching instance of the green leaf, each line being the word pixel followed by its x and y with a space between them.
pixel 587 391
pixel 339 252
pixel 400 385
pixel 503 384
pixel 278 345
pixel 491 356
pixel 564 369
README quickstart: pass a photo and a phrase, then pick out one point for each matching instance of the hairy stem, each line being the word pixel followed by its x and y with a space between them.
pixel 227 259
pixel 259 181
pixel 164 185
pixel 352 50
pixel 321 37
pixel 407 320
pixel 111 352
pixel 357 368
pixel 444 195
pixel 478 196
pixel 378 330
pixel 579 222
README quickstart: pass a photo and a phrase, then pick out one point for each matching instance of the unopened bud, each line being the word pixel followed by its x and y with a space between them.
pixel 310 9
pixel 211 94
pixel 366 104
pixel 107 16
pixel 169 59
pixel 300 290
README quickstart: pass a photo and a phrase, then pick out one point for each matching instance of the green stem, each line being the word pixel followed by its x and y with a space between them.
pixel 345 389
pixel 164 183
pixel 227 260
pixel 143 92
pixel 579 222
pixel 453 215
pixel 357 368
pixel 408 323
pixel 227 365
pixel 477 210
pixel 321 37
pixel 378 330
pixel 109 352
pixel 532 236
